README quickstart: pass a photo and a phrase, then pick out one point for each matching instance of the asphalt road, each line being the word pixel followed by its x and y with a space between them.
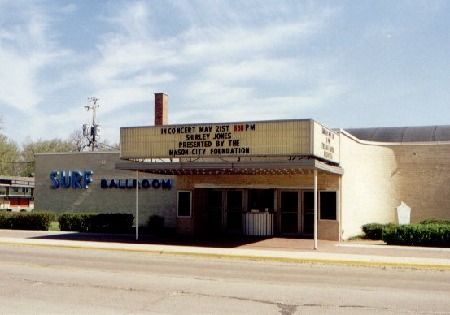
pixel 47 280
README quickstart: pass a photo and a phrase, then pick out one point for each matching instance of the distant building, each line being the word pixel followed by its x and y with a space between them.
pixel 16 193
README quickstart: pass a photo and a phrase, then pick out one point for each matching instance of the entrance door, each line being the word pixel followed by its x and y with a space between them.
pixel 308 213
pixel 214 211
pixel 289 212
pixel 234 210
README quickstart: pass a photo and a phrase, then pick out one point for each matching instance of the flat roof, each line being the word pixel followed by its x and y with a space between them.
pixel 15 181
pixel 402 134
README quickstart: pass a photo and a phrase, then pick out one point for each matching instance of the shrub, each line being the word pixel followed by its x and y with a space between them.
pixel 75 222
pixel 435 221
pixel 430 234
pixel 5 220
pixel 373 231
pixel 37 221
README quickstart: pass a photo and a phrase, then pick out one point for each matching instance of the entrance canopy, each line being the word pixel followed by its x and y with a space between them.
pixel 304 166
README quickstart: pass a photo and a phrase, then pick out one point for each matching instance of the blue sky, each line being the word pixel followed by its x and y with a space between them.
pixel 343 63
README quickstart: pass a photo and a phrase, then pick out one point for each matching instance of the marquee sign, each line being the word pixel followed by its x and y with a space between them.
pixel 263 138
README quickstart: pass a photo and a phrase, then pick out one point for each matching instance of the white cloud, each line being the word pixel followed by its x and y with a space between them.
pixel 69 8
pixel 17 87
pixel 241 107
pixel 26 49
pixel 215 67
pixel 217 60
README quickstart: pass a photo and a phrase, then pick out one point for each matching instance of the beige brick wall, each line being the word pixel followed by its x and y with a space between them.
pixel 95 199
pixel 378 176
pixel 423 179
pixel 368 191
pixel 328 230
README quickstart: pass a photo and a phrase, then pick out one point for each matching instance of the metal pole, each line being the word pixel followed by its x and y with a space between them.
pixel 315 209
pixel 137 205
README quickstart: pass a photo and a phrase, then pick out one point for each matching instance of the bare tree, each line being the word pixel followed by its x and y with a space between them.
pixel 105 146
pixel 78 140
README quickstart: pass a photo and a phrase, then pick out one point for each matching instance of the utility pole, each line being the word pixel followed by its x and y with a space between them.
pixel 92 131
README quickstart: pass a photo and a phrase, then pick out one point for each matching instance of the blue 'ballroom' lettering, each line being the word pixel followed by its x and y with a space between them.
pixel 132 183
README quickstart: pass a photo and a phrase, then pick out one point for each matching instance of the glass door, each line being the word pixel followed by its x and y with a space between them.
pixel 214 211
pixel 234 210
pixel 289 212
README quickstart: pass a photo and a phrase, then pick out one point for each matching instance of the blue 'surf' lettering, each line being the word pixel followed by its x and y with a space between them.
pixel 75 179
pixel 54 179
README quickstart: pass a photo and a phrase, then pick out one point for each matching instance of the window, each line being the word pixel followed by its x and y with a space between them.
pixel 184 204
pixel 261 199
pixel 328 205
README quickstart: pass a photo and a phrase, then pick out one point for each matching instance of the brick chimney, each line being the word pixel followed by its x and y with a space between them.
pixel 161 104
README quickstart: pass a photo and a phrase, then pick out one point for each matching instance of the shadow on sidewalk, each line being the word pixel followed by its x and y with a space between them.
pixel 218 241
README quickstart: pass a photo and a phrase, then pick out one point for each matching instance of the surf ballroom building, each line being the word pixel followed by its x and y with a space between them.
pixel 282 177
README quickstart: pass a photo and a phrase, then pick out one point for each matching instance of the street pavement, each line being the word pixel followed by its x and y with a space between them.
pixel 360 252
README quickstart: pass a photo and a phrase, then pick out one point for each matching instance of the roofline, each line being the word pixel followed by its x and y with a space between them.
pixel 420 143
pixel 66 153
pixel 225 123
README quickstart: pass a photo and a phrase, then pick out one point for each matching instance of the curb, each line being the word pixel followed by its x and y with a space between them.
pixel 246 254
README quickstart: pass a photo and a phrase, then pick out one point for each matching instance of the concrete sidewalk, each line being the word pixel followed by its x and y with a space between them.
pixel 363 253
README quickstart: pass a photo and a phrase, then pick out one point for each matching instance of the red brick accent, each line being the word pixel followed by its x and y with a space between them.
pixel 161 109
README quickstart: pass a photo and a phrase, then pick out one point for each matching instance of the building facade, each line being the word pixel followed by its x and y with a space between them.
pixel 283 177
pixel 90 183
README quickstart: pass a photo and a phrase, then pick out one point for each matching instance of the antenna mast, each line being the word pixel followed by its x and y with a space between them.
pixel 92 131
